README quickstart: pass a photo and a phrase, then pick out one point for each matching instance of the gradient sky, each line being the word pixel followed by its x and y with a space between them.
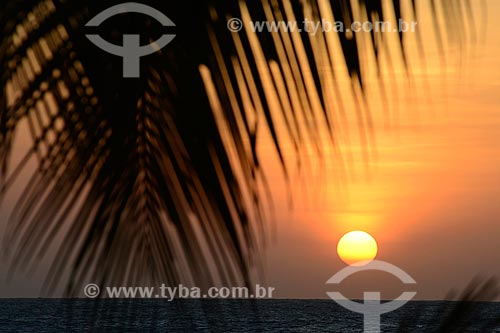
pixel 428 192
pixel 430 196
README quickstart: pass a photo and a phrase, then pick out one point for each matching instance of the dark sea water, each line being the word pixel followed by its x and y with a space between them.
pixel 57 315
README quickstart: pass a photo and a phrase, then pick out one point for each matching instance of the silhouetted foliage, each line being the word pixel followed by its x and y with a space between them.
pixel 462 312
pixel 149 180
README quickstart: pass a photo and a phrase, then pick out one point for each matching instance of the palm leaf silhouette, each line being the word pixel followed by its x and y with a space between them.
pixel 158 179
pixel 461 312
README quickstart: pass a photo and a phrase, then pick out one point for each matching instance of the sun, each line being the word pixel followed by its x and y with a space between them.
pixel 357 247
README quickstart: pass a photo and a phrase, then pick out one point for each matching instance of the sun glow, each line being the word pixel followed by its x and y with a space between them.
pixel 356 248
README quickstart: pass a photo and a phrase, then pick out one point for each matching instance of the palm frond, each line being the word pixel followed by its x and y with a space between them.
pixel 158 179
pixel 461 312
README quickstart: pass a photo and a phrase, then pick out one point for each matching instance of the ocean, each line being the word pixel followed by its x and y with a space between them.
pixel 134 315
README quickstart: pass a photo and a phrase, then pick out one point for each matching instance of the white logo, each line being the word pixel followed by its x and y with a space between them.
pixel 131 50
pixel 372 308
pixel 91 290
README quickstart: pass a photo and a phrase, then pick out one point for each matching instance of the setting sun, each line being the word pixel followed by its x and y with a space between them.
pixel 357 246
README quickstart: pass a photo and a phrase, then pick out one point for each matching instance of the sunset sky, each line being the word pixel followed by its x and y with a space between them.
pixel 426 186
pixel 430 196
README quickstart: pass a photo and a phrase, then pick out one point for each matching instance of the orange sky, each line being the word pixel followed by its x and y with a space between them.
pixel 430 195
